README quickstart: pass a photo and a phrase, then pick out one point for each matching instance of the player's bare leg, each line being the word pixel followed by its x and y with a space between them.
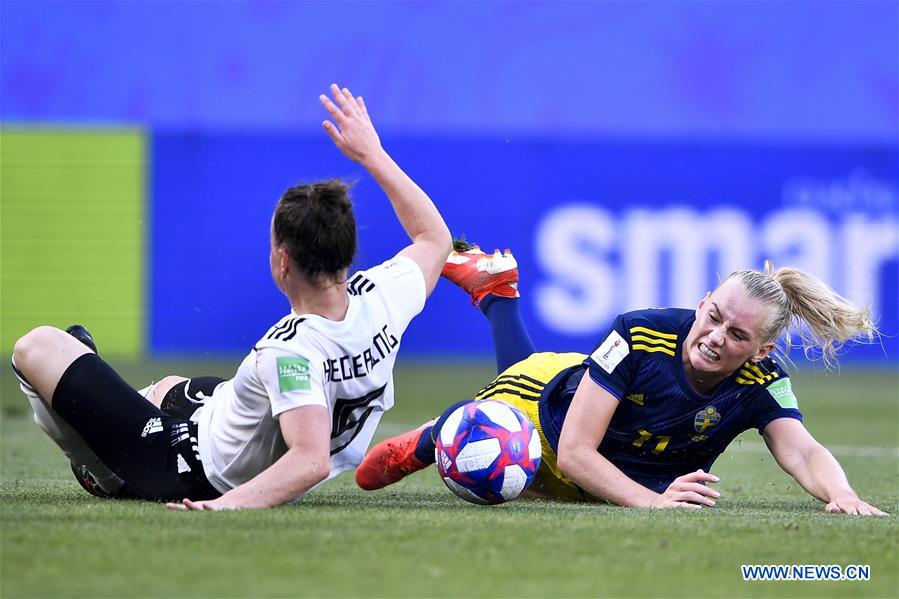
pixel 39 360
pixel 157 391
pixel 43 355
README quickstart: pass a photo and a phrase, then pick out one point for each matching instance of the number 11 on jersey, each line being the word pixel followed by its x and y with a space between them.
pixel 645 435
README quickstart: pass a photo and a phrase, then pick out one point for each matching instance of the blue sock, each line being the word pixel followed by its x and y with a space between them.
pixel 512 343
pixel 427 443
pixel 510 336
pixel 424 450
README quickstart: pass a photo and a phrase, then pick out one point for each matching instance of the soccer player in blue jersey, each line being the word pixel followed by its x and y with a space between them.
pixel 640 421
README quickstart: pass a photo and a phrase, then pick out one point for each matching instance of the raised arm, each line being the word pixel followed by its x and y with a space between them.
pixel 352 131
pixel 585 426
pixel 814 467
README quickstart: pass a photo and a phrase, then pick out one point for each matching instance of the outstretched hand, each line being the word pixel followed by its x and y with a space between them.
pixel 854 506
pixel 689 492
pixel 210 505
pixel 352 130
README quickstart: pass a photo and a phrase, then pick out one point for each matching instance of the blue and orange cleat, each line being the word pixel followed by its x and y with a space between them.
pixel 481 274
pixel 392 460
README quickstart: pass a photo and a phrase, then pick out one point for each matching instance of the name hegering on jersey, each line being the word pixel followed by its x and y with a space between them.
pixel 359 365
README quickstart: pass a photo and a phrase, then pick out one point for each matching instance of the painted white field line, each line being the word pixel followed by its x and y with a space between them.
pixel 850 451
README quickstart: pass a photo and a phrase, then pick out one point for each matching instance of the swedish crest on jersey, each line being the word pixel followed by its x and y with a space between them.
pixel 706 418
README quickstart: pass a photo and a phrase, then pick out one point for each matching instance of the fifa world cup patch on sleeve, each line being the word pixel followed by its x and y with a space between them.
pixel 782 392
pixel 293 373
pixel 611 352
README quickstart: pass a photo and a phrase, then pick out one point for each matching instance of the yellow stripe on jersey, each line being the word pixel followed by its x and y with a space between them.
pixel 752 375
pixel 653 341
pixel 758 372
pixel 653 333
pixel 523 382
pixel 650 349
pixel 748 375
pixel 540 368
pixel 754 381
pixel 670 344
pixel 509 389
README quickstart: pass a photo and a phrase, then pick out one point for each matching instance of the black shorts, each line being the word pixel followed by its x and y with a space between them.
pixel 154 452
pixel 186 397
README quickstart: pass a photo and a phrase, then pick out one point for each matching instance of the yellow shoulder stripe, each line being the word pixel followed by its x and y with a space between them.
pixel 670 344
pixel 650 349
pixel 653 333
pixel 754 369
pixel 751 378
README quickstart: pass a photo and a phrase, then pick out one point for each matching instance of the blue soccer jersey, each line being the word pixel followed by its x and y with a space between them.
pixel 663 428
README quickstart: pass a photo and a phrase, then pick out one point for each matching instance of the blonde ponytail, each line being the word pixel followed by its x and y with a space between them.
pixel 801 303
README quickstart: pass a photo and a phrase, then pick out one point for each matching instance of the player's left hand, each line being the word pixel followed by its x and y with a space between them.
pixel 210 505
pixel 850 504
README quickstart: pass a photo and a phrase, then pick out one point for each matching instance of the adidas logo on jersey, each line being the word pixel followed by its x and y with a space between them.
pixel 359 285
pixel 182 465
pixel 154 425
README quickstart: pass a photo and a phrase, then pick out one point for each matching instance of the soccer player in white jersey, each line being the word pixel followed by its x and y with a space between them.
pixel 304 404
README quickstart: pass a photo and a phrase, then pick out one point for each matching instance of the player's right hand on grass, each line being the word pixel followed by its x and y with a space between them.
pixel 851 504
pixel 688 492
pixel 352 130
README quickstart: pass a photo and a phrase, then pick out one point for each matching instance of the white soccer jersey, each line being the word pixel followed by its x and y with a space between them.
pixel 303 360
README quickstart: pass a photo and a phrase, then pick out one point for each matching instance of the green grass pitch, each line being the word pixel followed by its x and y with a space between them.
pixel 416 539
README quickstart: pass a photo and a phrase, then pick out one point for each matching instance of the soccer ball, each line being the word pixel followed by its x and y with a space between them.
pixel 487 452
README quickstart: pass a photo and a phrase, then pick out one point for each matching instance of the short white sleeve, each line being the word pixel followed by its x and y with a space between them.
pixel 290 379
pixel 403 285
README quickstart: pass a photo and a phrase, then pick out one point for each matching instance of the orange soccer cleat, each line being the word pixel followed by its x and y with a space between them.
pixel 481 274
pixel 390 461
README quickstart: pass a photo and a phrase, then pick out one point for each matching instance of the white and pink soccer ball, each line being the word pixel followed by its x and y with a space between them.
pixel 487 452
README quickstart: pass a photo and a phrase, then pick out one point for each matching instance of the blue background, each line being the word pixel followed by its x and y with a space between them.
pixel 513 116
pixel 211 287
pixel 795 69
